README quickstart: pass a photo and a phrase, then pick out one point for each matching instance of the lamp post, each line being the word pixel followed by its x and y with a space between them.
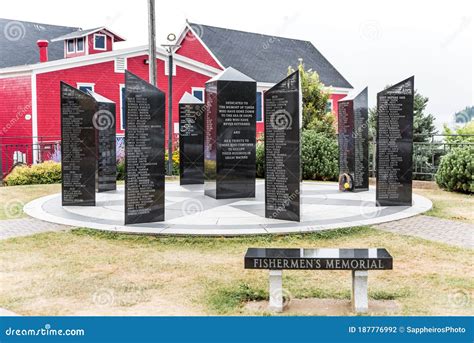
pixel 152 42
pixel 170 47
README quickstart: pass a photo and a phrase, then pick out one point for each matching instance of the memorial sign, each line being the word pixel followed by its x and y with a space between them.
pixel 230 136
pixel 191 140
pixel 104 123
pixel 144 151
pixel 353 137
pixel 78 147
pixel 328 259
pixel 395 144
pixel 283 110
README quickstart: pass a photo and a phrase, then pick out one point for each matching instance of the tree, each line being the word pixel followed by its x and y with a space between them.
pixel 315 98
pixel 423 123
pixel 466 132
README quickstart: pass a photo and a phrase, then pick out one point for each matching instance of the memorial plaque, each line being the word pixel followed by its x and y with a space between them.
pixel 353 137
pixel 78 147
pixel 104 123
pixel 395 144
pixel 191 140
pixel 230 136
pixel 144 151
pixel 283 110
pixel 314 259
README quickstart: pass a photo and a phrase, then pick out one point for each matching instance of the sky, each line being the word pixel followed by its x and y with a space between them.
pixel 371 43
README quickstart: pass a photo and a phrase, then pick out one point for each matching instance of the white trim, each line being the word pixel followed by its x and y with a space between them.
pixel 121 86
pixel 167 66
pixel 125 64
pixel 183 36
pixel 73 44
pixel 34 117
pixel 337 90
pixel 199 89
pixel 108 56
pixel 83 44
pixel 87 44
pixel 105 41
pixel 87 33
pixel 86 84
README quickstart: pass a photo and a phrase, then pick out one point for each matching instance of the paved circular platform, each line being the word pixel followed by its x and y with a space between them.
pixel 190 212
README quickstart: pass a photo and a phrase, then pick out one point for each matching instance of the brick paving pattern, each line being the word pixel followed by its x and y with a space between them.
pixel 26 226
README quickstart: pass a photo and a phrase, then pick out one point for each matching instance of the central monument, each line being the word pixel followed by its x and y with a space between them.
pixel 230 135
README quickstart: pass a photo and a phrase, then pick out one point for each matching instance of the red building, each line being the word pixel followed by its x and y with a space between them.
pixel 29 93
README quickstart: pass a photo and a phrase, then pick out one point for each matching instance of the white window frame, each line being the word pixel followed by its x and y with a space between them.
pixel 261 107
pixel 83 44
pixel 86 84
pixel 105 41
pixel 332 105
pixel 121 87
pixel 199 89
pixel 67 46
pixel 167 68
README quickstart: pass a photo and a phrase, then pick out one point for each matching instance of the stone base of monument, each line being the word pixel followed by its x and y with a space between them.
pixel 189 212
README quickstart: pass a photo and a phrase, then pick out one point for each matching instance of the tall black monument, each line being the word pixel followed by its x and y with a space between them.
pixel 395 144
pixel 191 140
pixel 353 136
pixel 283 110
pixel 144 151
pixel 104 123
pixel 230 135
pixel 78 147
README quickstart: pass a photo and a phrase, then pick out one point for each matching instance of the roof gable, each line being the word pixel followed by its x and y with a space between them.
pixel 266 58
pixel 18 44
pixel 82 33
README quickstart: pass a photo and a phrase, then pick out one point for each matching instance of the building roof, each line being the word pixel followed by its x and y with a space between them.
pixel 82 33
pixel 266 58
pixel 18 41
pixel 187 98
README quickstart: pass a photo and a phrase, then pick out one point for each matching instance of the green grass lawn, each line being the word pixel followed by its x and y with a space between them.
pixel 84 272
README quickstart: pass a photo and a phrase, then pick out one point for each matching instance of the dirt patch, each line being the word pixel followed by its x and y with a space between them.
pixel 327 307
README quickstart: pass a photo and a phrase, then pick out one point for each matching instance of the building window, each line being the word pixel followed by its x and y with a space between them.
pixel 71 47
pixel 198 93
pixel 122 108
pixel 85 87
pixel 80 44
pixel 258 107
pixel 329 108
pixel 167 68
pixel 100 42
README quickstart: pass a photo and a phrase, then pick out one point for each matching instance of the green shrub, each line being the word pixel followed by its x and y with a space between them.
pixel 121 169
pixel 319 156
pixel 456 171
pixel 42 173
pixel 260 157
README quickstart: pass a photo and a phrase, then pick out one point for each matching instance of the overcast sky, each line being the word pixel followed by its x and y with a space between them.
pixel 372 43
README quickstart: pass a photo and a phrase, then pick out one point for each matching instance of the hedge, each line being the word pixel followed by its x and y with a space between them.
pixel 42 173
pixel 456 171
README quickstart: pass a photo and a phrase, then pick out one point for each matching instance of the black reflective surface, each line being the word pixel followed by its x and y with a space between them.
pixel 350 259
pixel 191 144
pixel 144 151
pixel 104 122
pixel 230 136
pixel 395 144
pixel 78 147
pixel 353 139
pixel 282 149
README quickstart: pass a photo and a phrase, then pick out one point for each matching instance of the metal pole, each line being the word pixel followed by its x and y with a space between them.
pixel 170 112
pixel 152 41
